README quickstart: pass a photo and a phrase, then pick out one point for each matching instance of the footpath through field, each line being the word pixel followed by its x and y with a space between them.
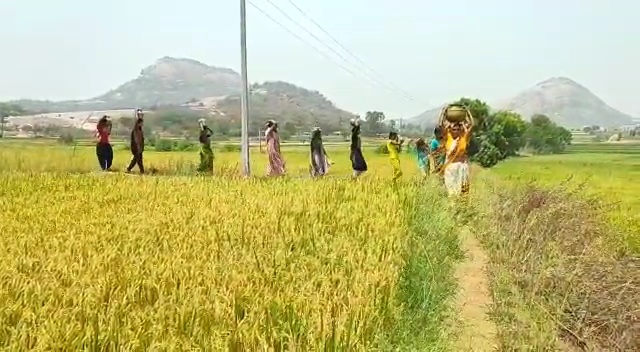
pixel 475 330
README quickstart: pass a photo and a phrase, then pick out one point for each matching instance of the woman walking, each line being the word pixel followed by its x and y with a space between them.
pixel 104 151
pixel 394 146
pixel 456 166
pixel 421 152
pixel 436 152
pixel 206 153
pixel 276 165
pixel 319 158
pixel 137 143
pixel 358 164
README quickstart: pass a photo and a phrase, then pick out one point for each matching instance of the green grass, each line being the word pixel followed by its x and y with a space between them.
pixel 611 177
pixel 563 233
pixel 605 148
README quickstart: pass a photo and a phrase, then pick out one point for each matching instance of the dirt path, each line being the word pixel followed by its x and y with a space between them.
pixel 476 332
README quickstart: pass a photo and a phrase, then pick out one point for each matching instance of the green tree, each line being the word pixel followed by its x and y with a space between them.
pixel 543 136
pixel 496 136
pixel 393 125
pixel 289 129
pixel 478 108
pixel 222 126
pixel 485 136
pixel 373 121
pixel 7 110
pixel 509 129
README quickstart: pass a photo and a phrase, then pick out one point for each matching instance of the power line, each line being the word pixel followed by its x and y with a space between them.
pixel 381 83
pixel 344 47
pixel 309 44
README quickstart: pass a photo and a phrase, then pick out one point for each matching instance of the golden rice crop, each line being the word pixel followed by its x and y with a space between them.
pixel 132 263
pixel 28 157
pixel 116 262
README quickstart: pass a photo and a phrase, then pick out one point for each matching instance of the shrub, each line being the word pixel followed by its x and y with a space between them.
pixel 66 139
pixel 164 145
pixel 231 148
pixel 382 149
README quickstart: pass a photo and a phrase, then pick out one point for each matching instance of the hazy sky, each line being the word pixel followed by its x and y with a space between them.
pixel 434 50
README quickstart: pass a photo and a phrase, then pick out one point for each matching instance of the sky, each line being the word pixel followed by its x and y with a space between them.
pixel 422 53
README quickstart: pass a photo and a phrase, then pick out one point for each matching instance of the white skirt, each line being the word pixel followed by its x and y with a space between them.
pixel 456 178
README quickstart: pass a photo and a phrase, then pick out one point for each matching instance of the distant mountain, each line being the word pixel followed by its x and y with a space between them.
pixel 565 101
pixel 429 117
pixel 169 81
pixel 180 84
pixel 287 102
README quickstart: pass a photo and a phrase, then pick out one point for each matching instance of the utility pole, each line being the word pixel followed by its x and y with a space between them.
pixel 244 99
pixel 2 121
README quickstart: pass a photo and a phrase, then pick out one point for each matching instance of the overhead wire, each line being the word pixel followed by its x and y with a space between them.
pixel 295 35
pixel 362 62
pixel 314 36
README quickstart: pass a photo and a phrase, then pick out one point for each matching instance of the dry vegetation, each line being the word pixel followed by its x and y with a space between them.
pixel 557 281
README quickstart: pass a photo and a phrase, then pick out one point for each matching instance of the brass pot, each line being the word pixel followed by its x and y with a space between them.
pixel 455 114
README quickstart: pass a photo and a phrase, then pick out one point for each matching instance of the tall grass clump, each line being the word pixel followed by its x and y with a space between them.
pixel 557 279
pixel 426 283
pixel 115 262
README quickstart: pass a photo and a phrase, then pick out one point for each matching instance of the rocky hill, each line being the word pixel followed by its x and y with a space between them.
pixel 172 83
pixel 565 101
pixel 286 102
pixel 169 81
pixel 427 118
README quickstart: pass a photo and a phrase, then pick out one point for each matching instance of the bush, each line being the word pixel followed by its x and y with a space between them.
pixel 185 145
pixel 382 149
pixel 164 145
pixel 66 139
pixel 231 148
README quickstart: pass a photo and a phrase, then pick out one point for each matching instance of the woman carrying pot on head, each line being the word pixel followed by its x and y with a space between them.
pixel 319 158
pixel 457 123
pixel 137 143
pixel 276 166
pixel 206 153
pixel 104 151
pixel 358 164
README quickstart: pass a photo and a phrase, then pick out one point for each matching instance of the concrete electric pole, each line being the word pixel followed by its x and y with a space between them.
pixel 244 99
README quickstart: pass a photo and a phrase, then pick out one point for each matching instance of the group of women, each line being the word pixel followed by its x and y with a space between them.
pixel 319 163
pixel 445 155
pixel 104 150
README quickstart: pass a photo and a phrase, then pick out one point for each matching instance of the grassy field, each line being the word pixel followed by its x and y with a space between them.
pixel 176 261
pixel 608 173
pixel 562 233
pixel 111 261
